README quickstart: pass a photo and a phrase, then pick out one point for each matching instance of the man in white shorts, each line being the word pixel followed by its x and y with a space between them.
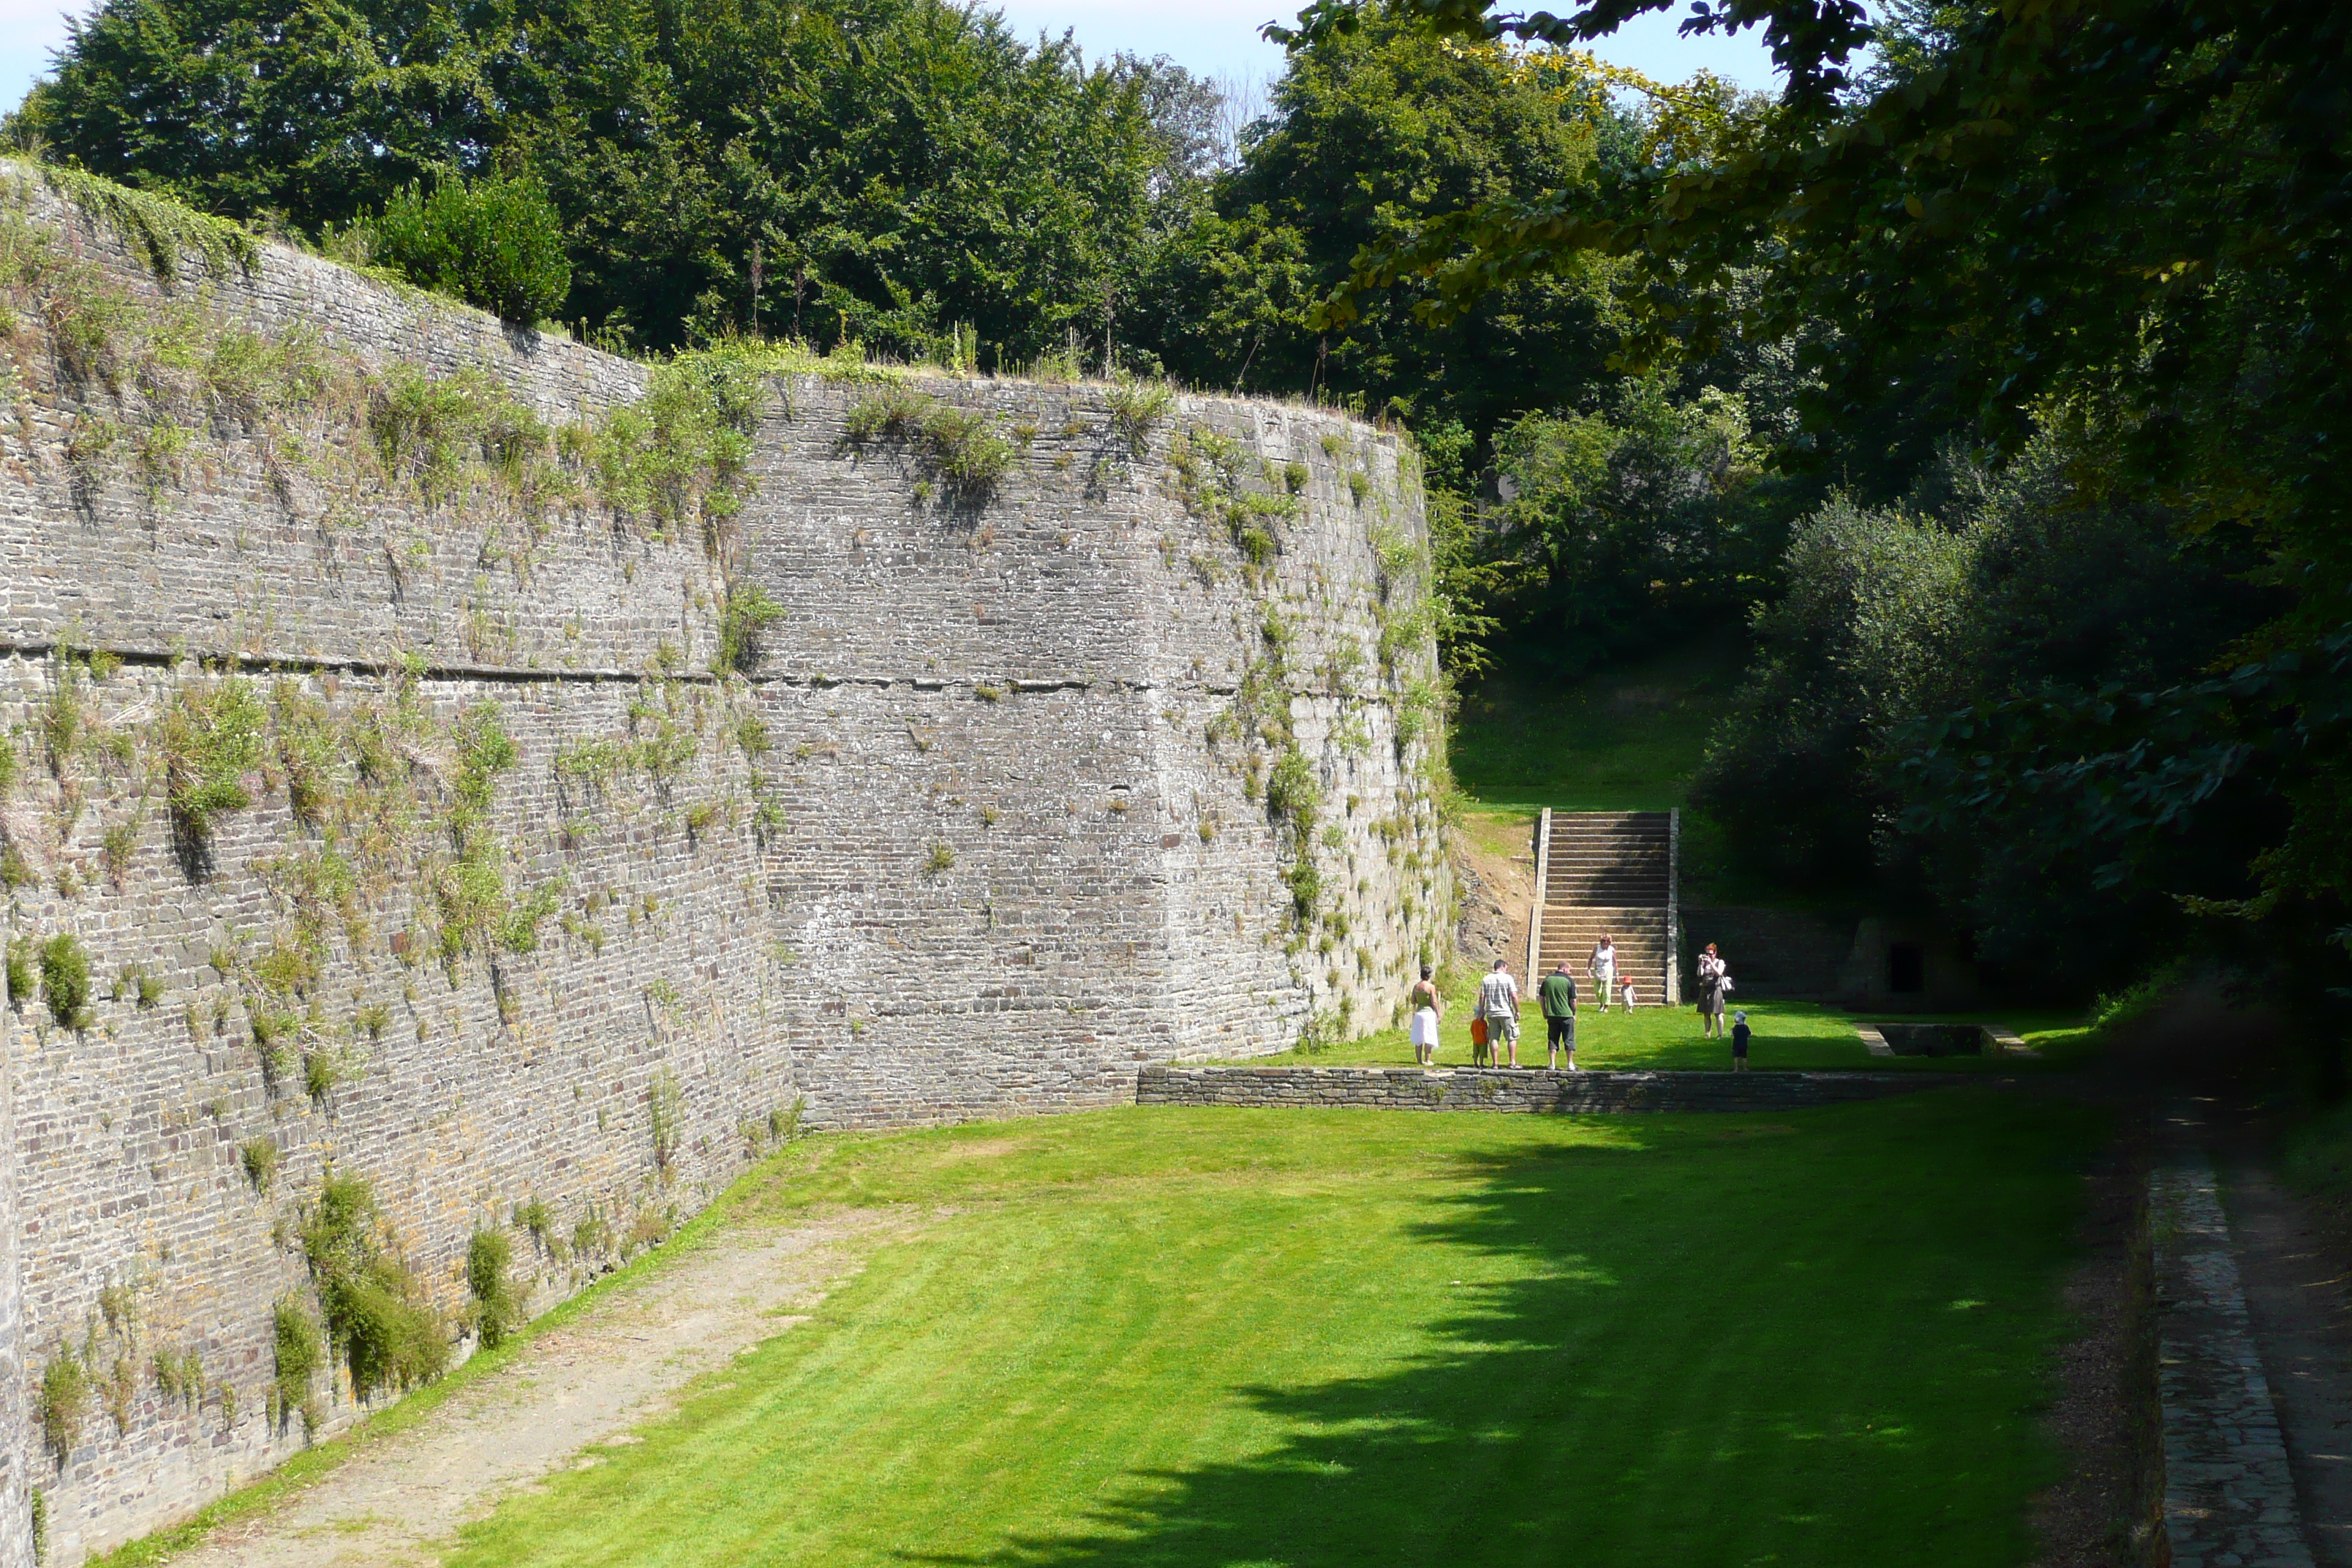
pixel 1498 1004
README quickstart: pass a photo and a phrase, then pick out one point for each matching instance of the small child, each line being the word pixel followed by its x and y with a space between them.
pixel 1629 995
pixel 1739 1042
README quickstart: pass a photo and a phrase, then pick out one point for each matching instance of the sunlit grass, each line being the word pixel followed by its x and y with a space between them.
pixel 1195 1339
pixel 1811 1036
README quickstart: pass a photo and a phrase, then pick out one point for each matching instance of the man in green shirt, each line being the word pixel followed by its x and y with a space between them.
pixel 1558 995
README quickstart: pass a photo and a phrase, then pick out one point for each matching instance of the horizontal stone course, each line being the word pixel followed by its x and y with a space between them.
pixel 1533 1089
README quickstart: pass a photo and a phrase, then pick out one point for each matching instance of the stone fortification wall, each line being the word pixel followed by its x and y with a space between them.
pixel 514 786
pixel 1537 1090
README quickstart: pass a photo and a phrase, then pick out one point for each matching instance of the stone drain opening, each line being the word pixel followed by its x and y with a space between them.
pixel 1919 1039
pixel 1934 1039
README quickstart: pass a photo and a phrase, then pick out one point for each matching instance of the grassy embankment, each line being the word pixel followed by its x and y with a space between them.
pixel 1181 1338
pixel 1630 739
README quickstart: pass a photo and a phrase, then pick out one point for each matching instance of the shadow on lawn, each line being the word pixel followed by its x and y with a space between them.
pixel 1354 1480
pixel 1688 1377
pixel 1536 1426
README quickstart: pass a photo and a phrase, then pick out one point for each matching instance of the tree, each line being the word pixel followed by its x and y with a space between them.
pixel 873 169
pixel 1615 523
pixel 2120 221
pixel 1368 132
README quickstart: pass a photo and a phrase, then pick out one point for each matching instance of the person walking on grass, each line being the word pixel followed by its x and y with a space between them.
pixel 1428 1011
pixel 1498 1004
pixel 1739 1042
pixel 1558 995
pixel 1714 986
pixel 1603 969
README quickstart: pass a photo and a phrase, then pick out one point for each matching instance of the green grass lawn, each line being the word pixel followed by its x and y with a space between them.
pixel 1626 739
pixel 1173 1337
pixel 1789 1036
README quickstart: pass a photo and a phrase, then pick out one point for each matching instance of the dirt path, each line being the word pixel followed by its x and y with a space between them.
pixel 2296 1276
pixel 620 1362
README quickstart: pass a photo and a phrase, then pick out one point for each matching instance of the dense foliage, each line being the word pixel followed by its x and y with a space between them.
pixel 870 169
pixel 2006 378
pixel 2102 245
pixel 497 244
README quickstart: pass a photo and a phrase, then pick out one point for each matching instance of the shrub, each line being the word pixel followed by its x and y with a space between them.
pixel 961 447
pixel 22 985
pixel 896 414
pixel 376 1314
pixel 1292 796
pixel 426 429
pixel 749 612
pixel 592 1235
pixel 64 979
pixel 320 1073
pixel 65 1400
pixel 666 1113
pixel 536 1217
pixel 497 244
pixel 259 1158
pixel 274 1035
pixel 1136 408
pixel 1305 885
pixel 212 737
pixel 299 1356
pixel 496 1311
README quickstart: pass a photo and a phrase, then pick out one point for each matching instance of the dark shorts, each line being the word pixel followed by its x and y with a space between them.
pixel 1562 1032
pixel 1740 1047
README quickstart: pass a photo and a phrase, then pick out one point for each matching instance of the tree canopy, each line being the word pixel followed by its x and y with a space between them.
pixel 872 169
pixel 1997 374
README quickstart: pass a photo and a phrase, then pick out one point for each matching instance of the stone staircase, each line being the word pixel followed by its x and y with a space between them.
pixel 1608 871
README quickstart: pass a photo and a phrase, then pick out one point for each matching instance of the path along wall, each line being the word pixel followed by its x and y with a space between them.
pixel 459 784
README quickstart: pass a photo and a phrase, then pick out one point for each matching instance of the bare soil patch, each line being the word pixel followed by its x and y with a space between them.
pixel 618 1363
pixel 1494 884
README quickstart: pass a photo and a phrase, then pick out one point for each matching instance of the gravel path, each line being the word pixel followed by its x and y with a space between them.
pixel 399 1501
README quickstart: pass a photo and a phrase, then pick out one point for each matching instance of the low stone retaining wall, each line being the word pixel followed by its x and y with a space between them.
pixel 1534 1090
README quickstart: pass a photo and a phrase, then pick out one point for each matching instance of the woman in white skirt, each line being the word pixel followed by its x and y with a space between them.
pixel 1428 1011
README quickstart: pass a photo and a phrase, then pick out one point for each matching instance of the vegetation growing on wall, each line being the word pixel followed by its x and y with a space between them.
pixel 378 1315
pixel 297 1353
pixel 64 1402
pixel 496 1311
pixel 962 448
pixel 210 738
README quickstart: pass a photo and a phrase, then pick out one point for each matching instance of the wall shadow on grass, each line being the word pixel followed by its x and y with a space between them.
pixel 1725 1348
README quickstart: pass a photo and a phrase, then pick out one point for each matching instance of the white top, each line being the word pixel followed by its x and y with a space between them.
pixel 1604 958
pixel 1498 996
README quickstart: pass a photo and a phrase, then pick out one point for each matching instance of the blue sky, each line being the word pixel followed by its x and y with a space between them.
pixel 1211 37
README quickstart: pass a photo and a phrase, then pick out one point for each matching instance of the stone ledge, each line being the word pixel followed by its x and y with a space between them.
pixel 1532 1089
